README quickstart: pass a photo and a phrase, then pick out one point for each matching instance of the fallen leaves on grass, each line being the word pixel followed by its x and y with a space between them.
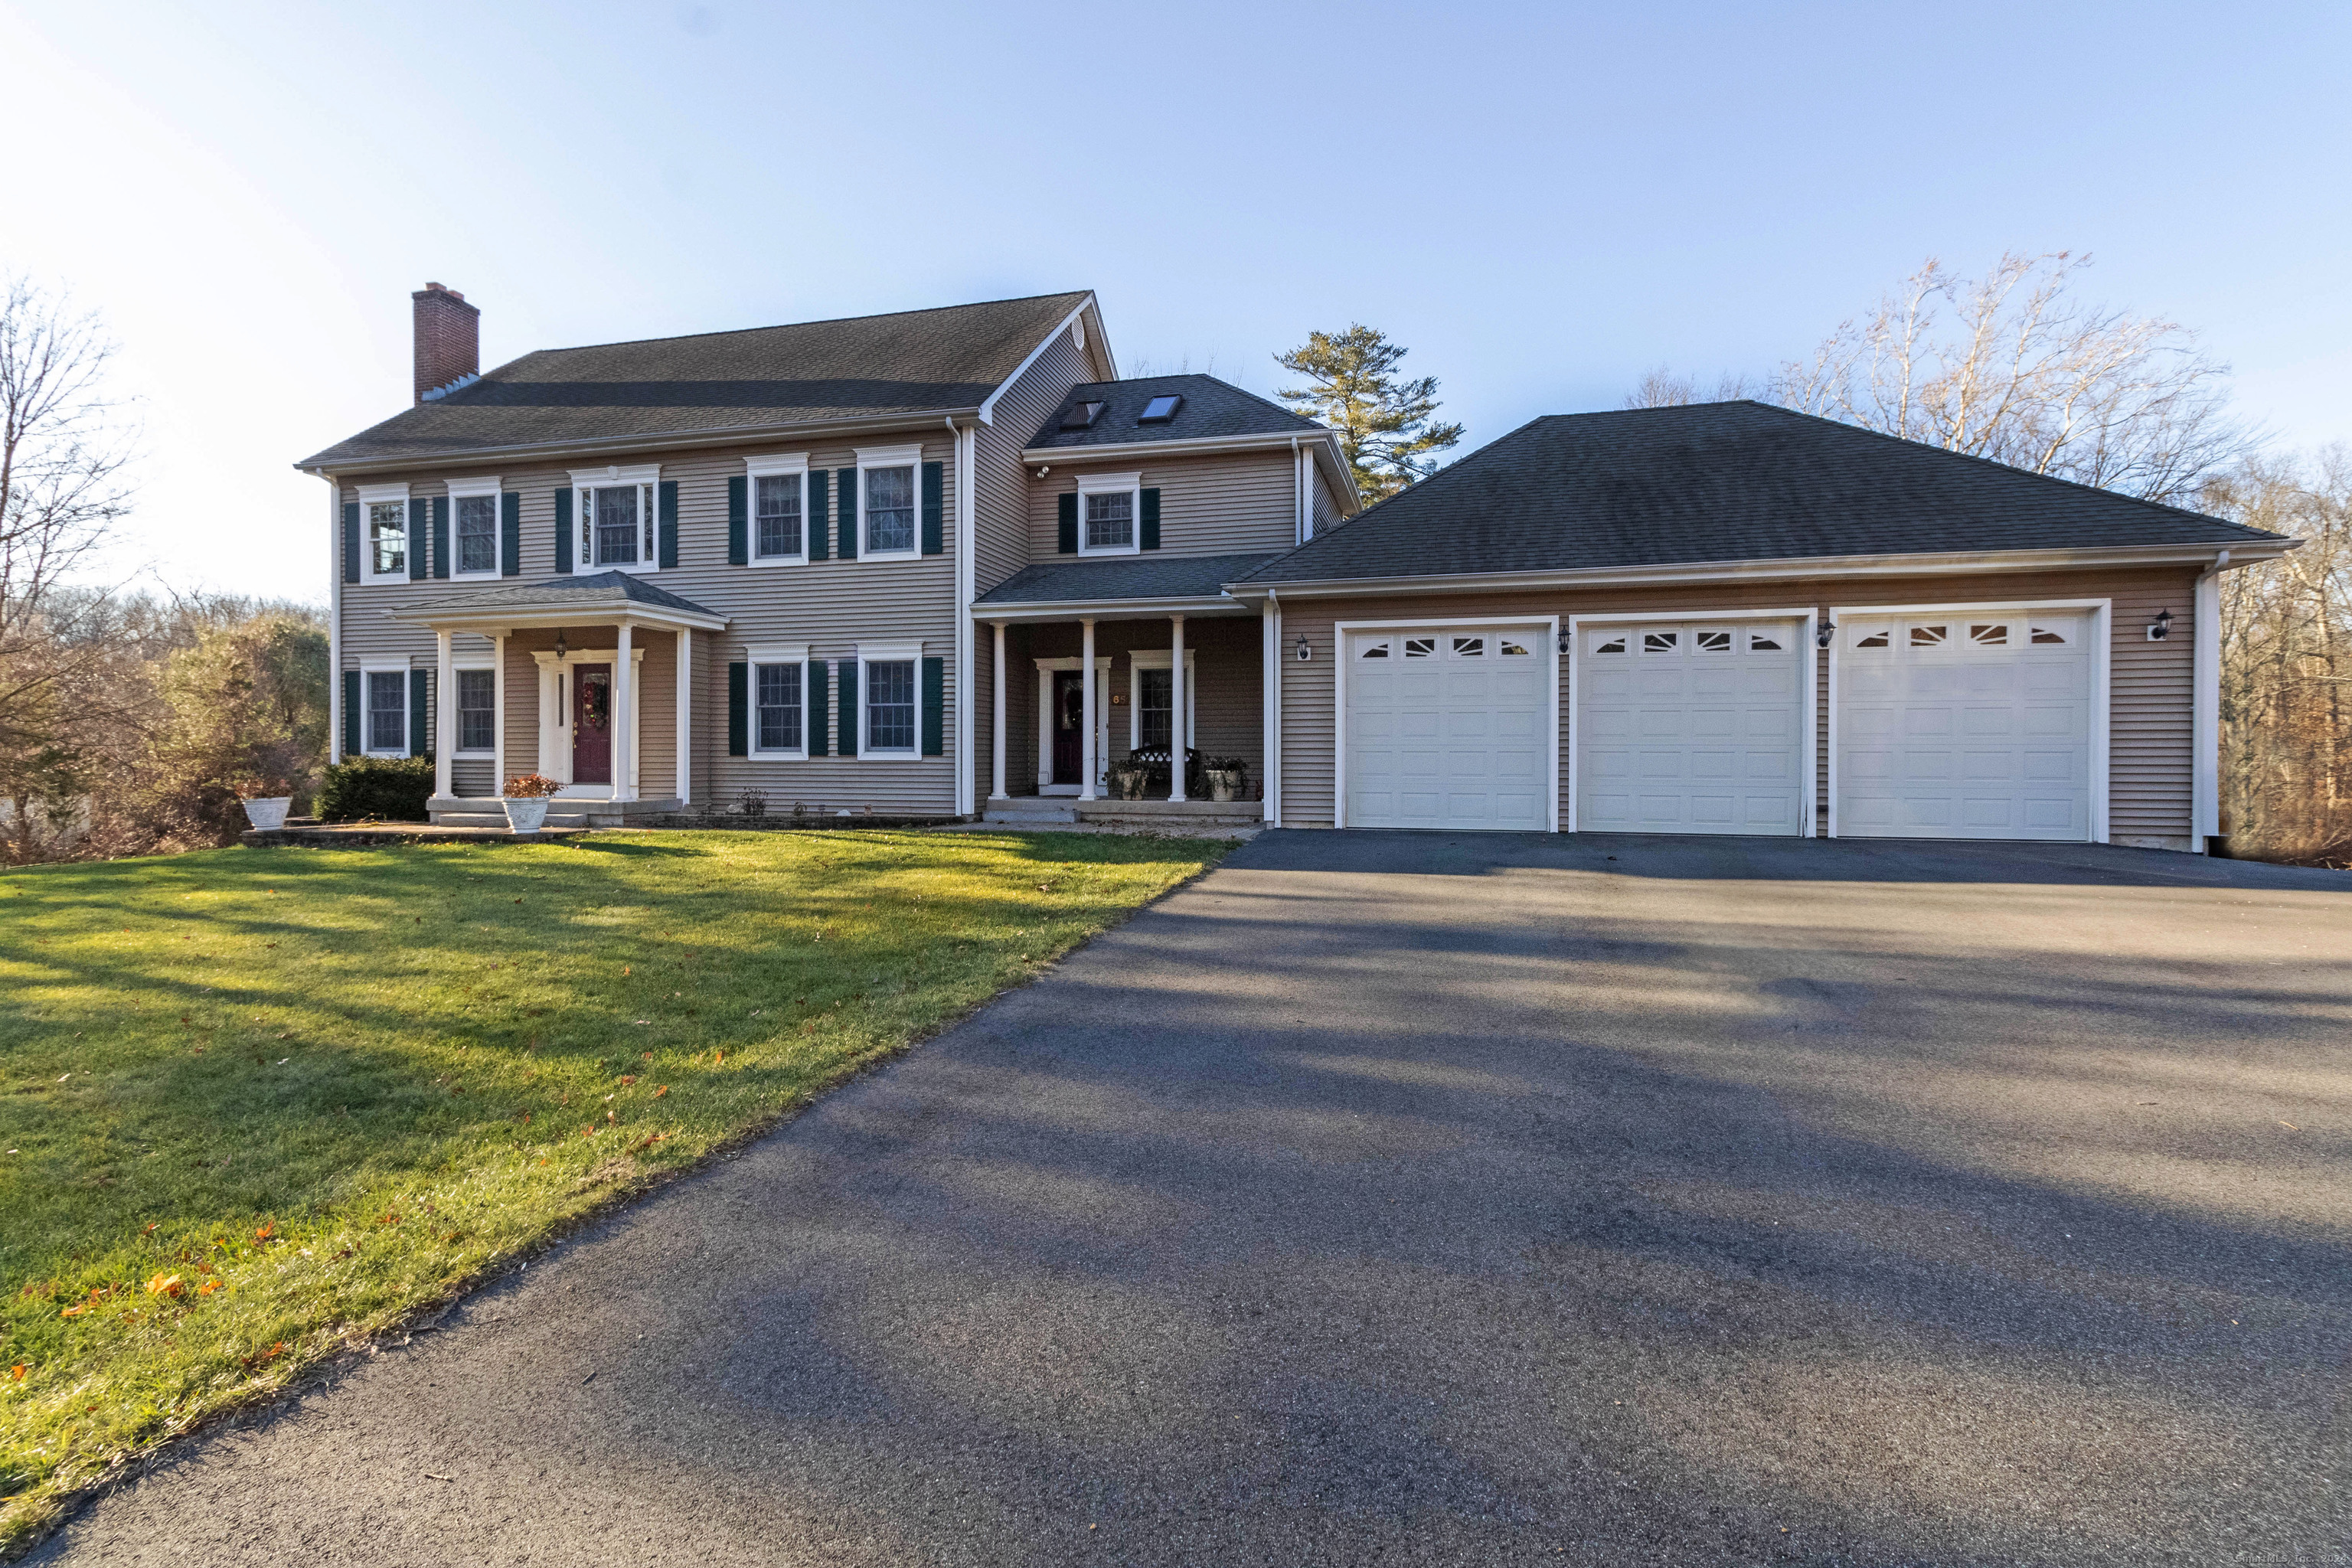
pixel 166 1284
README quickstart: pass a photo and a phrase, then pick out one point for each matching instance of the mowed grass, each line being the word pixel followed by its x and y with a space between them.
pixel 257 1104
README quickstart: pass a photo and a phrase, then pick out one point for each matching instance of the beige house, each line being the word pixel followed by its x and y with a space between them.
pixel 946 563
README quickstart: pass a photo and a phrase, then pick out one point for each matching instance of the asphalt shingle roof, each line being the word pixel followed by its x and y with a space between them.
pixel 1720 481
pixel 1211 407
pixel 590 591
pixel 1148 575
pixel 911 363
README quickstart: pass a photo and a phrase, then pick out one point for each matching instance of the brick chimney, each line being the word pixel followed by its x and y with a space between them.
pixel 449 337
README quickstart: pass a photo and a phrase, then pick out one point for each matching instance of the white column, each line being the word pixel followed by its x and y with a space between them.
pixel 1178 735
pixel 445 712
pixel 334 619
pixel 498 714
pixel 625 714
pixel 685 716
pixel 1086 711
pixel 2205 709
pixel 1270 702
pixel 997 734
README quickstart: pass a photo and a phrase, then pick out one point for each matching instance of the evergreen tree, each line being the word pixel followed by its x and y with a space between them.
pixel 1384 423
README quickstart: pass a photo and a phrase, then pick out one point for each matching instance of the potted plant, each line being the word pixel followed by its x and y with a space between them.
pixel 526 803
pixel 1227 776
pixel 1128 778
pixel 265 803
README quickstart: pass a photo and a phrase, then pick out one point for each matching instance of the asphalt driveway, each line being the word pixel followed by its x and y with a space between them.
pixel 1399 1199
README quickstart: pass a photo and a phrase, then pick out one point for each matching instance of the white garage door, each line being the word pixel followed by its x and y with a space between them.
pixel 1965 726
pixel 1691 726
pixel 1448 728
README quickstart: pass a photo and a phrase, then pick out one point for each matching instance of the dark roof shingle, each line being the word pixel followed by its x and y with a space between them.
pixel 1150 575
pixel 911 363
pixel 1211 408
pixel 1721 481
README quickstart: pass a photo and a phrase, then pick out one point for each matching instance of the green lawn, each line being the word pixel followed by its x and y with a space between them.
pixel 256 1103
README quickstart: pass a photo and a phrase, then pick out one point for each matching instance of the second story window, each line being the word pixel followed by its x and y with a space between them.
pixel 616 525
pixel 474 526
pixel 885 501
pixel 615 517
pixel 779 514
pixel 1108 509
pixel 388 538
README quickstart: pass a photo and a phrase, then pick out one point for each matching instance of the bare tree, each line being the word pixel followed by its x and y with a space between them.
pixel 1667 388
pixel 2014 367
pixel 64 452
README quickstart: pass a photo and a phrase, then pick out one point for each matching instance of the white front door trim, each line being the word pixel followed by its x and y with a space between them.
pixel 1045 667
pixel 555 717
pixel 1807 804
pixel 2101 612
pixel 1340 631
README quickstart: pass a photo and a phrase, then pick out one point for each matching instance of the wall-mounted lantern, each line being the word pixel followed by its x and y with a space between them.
pixel 2161 628
pixel 1825 634
pixel 1305 652
pixel 559 645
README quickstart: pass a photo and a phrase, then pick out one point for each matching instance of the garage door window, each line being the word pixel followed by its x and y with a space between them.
pixel 1509 648
pixel 1763 642
pixel 1871 637
pixel 1420 648
pixel 2052 636
pixel 1714 642
pixel 1377 648
pixel 1608 642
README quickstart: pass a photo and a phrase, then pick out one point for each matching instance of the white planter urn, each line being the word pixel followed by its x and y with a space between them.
pixel 268 815
pixel 524 816
pixel 1223 784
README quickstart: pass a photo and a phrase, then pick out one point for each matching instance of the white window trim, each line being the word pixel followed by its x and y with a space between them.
pixel 458 720
pixel 1137 663
pixel 459 489
pixel 378 495
pixel 1111 484
pixel 367 712
pixel 873 652
pixel 776 653
pixel 585 483
pixel 868 457
pixel 773 466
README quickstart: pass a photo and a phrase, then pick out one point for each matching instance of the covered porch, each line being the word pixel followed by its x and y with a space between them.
pixel 590 681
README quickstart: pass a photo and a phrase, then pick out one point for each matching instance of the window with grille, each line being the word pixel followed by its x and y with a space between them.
pixel 890 705
pixel 387 711
pixel 889 501
pixel 1110 520
pixel 388 538
pixel 476 534
pixel 1154 702
pixel 780 707
pixel 779 509
pixel 477 717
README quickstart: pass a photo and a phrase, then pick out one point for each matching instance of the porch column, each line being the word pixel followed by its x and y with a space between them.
pixel 1177 737
pixel 625 716
pixel 1087 709
pixel 445 712
pixel 996 735
pixel 498 715
pixel 685 769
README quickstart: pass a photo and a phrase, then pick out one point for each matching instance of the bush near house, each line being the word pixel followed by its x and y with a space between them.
pixel 377 789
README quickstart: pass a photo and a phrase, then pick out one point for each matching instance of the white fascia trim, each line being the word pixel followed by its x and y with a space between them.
pixel 1615 617
pixel 987 409
pixel 1118 610
pixel 334 617
pixel 552 451
pixel 1923 565
pixel 491 623
pixel 2102 687
pixel 870 652
pixel 966 685
pixel 1186 447
pixel 1130 484
pixel 474 489
pixel 1340 630
pixel 773 466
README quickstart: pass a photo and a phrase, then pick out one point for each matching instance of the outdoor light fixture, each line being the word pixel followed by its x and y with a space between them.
pixel 1305 650
pixel 2161 628
pixel 1560 646
pixel 1821 637
pixel 559 645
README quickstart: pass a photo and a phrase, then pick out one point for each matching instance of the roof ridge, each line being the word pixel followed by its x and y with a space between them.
pixel 817 321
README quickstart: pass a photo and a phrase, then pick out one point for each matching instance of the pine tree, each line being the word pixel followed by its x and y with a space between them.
pixel 1384 423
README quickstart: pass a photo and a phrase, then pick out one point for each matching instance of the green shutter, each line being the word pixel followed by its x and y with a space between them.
pixel 420 512
pixel 1069 542
pixel 739 709
pixel 440 536
pixel 739 521
pixel 935 697
pixel 847 740
pixel 351 542
pixel 935 541
pixel 511 534
pixel 1150 530
pixel 420 705
pixel 847 538
pixel 814 715
pixel 352 745
pixel 668 494
pixel 820 511
pixel 564 529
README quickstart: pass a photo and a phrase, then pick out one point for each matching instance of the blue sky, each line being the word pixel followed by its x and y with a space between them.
pixel 1541 202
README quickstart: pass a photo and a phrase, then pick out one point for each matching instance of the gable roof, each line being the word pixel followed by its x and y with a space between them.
pixel 1723 482
pixel 1210 409
pixel 858 367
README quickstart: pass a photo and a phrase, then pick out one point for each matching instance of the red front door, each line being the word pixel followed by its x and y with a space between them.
pixel 592 723
pixel 1069 728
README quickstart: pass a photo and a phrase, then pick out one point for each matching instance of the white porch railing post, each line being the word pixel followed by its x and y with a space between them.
pixel 683 767
pixel 1179 733
pixel 1087 709
pixel 624 751
pixel 444 712
pixel 997 734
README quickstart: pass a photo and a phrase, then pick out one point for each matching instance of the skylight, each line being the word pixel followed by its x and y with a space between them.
pixel 1081 415
pixel 1160 409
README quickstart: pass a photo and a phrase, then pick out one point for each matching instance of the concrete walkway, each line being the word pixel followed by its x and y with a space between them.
pixel 1399 1199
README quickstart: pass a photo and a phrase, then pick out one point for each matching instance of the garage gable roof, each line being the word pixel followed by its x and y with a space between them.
pixel 1721 482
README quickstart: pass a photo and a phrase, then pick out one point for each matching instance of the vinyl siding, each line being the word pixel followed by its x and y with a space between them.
pixel 1225 707
pixel 1001 485
pixel 2150 760
pixel 1208 506
pixel 1326 505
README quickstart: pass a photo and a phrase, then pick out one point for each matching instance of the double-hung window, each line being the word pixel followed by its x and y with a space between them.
pixel 886 502
pixel 779 520
pixel 383 533
pixel 474 528
pixel 779 701
pixel 613 511
pixel 1107 513
pixel 1151 687
pixel 891 700
pixel 387 712
pixel 477 717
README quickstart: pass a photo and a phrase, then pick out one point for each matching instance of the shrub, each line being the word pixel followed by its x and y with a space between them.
pixel 386 789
